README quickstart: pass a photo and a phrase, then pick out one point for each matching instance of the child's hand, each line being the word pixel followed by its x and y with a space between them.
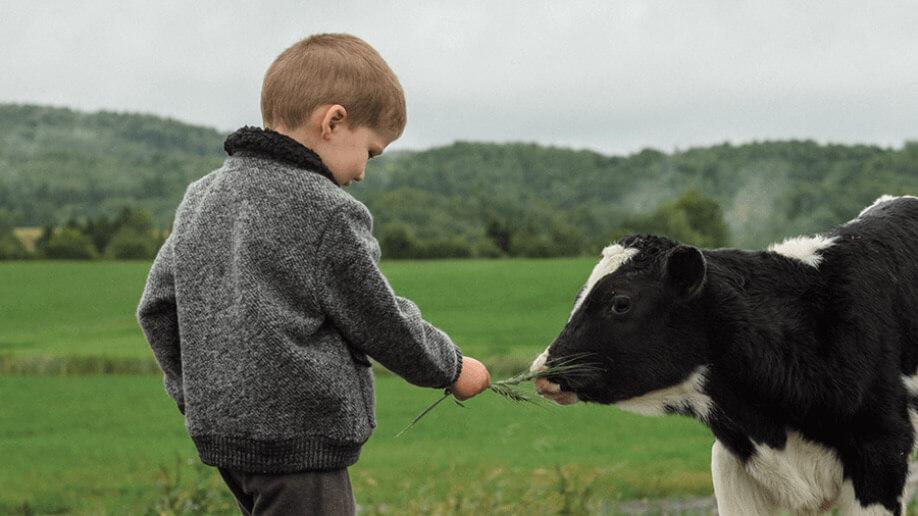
pixel 474 379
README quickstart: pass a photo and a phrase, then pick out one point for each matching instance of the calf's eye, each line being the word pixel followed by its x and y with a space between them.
pixel 621 304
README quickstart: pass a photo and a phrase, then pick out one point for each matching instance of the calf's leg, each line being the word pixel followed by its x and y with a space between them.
pixel 737 493
pixel 877 470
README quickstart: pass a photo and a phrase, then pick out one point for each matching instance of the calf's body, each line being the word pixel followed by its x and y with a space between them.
pixel 803 359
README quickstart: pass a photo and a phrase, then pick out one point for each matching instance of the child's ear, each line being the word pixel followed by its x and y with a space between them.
pixel 332 118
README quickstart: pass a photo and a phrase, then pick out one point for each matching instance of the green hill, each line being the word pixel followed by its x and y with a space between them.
pixel 57 163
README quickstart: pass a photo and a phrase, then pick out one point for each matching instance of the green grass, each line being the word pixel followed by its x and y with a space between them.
pixel 96 443
pixel 71 308
pixel 491 308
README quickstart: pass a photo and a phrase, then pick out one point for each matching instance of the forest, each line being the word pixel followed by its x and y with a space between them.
pixel 87 178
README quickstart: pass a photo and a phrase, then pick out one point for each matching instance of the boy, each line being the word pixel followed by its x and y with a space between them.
pixel 264 303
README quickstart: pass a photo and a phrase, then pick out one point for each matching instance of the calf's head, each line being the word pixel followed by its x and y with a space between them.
pixel 639 321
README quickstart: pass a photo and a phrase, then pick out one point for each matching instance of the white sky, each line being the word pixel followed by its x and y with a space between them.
pixel 611 76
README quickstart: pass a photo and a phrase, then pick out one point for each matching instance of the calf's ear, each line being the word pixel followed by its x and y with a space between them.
pixel 685 271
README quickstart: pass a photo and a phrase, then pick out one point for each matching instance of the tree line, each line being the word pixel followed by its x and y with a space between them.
pixel 128 235
pixel 132 235
pixel 62 168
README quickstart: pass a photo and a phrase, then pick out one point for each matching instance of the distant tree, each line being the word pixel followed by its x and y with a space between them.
pixel 137 219
pixel 398 242
pixel 567 240
pixel 71 244
pixel 130 244
pixel 100 230
pixel 11 248
pixel 47 232
pixel 73 223
pixel 7 221
pixel 696 219
pixel 130 236
pixel 534 246
pixel 486 248
pixel 691 219
pixel 705 216
pixel 501 234
pixel 476 190
pixel 452 247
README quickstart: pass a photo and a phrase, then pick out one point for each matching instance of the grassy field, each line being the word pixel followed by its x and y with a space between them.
pixel 113 444
pixel 494 308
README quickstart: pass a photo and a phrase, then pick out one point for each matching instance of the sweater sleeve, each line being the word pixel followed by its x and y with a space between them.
pixel 158 318
pixel 359 301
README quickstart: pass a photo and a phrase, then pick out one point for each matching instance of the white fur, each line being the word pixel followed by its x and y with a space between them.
pixel 539 363
pixel 613 257
pixel 803 476
pixel 880 200
pixel 737 493
pixel 804 248
pixel 913 417
pixel 911 384
pixel 688 394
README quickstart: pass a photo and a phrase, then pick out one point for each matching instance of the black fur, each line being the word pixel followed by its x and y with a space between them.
pixel 820 351
pixel 265 143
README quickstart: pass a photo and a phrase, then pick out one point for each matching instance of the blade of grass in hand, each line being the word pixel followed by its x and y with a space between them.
pixel 422 414
pixel 504 387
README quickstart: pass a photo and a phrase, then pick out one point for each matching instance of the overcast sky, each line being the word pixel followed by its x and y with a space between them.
pixel 612 76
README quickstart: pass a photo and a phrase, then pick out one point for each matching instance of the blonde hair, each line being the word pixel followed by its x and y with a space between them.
pixel 333 69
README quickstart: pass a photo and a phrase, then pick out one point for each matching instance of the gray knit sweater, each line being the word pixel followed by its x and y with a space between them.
pixel 263 304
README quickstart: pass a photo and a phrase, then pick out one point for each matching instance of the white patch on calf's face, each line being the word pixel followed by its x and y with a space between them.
pixel 539 363
pixel 687 395
pixel 804 248
pixel 613 257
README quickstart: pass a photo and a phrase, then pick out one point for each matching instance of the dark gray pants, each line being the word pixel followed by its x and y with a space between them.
pixel 301 493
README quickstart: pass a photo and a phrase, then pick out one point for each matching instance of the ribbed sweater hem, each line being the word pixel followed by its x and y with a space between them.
pixel 458 367
pixel 278 456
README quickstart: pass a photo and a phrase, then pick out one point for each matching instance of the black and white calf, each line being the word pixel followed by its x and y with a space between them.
pixel 803 359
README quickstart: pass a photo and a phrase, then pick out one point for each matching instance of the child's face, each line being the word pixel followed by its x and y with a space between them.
pixel 346 153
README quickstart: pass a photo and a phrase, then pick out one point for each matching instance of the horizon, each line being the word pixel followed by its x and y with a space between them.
pixel 669 152
pixel 611 78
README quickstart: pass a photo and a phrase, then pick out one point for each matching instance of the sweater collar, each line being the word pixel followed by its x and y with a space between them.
pixel 265 143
